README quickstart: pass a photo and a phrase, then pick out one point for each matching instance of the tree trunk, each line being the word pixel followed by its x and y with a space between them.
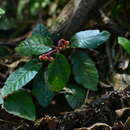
pixel 73 17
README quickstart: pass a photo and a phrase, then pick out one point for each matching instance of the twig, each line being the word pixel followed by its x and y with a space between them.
pixel 111 24
pixel 110 62
pixel 15 41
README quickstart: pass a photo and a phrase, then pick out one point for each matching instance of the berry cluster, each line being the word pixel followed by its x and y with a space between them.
pixel 62 44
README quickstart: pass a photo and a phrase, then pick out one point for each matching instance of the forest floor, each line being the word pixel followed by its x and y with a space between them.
pixel 106 109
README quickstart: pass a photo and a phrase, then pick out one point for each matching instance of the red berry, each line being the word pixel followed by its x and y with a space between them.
pixel 50 58
pixel 66 42
pixel 43 57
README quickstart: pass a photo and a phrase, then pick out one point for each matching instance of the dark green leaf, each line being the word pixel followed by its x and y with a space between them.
pixel 85 72
pixel 35 45
pixel 2 11
pixel 58 73
pixel 125 43
pixel 42 30
pixel 1 100
pixel 77 96
pixel 20 77
pixel 41 91
pixel 20 104
pixel 89 39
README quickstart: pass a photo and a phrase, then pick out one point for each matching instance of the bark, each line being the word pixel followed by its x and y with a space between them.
pixel 73 17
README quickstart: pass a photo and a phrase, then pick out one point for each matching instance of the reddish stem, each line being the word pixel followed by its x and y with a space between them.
pixel 61 44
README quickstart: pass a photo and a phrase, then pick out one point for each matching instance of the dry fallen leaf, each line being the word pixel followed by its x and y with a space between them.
pixel 121 112
pixel 127 124
pixel 120 81
pixel 96 126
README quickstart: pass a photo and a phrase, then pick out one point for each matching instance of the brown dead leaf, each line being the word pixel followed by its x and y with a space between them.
pixel 13 65
pixel 120 81
pixel 120 112
pixel 51 122
pixel 127 124
pixel 100 126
